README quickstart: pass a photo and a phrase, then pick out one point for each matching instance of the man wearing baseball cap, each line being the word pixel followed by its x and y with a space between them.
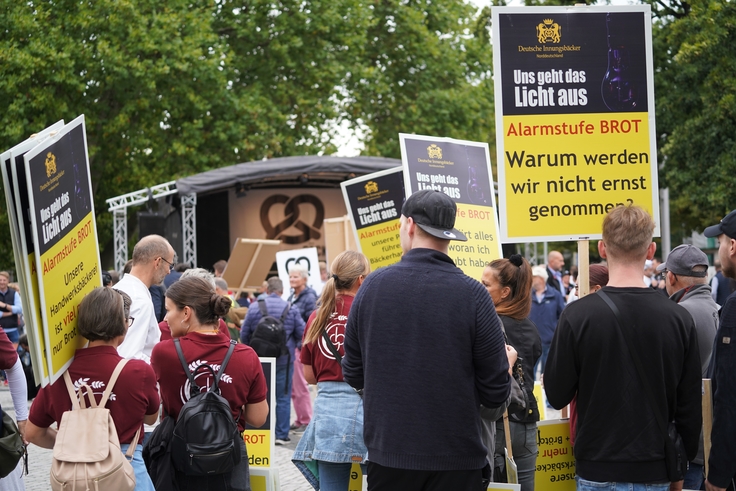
pixel 686 271
pixel 722 369
pixel 425 344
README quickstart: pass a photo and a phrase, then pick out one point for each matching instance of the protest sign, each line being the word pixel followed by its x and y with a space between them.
pixel 307 258
pixel 574 118
pixel 374 206
pixel 555 460
pixel 65 237
pixel 462 170
pixel 16 195
pixel 259 441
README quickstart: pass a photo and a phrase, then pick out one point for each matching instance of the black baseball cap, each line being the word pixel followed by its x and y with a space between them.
pixel 434 212
pixel 727 226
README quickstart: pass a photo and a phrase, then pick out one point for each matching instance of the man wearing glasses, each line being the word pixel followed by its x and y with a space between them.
pixel 153 259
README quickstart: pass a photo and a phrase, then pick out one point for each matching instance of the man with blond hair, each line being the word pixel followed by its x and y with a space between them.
pixel 633 370
pixel 153 259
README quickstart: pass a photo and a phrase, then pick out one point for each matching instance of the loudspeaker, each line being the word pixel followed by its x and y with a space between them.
pixel 151 223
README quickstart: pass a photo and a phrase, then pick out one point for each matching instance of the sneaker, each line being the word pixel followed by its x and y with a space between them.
pixel 298 428
pixel 282 441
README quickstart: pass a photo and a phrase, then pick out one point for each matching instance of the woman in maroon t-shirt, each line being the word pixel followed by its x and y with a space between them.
pixel 103 320
pixel 193 310
pixel 333 440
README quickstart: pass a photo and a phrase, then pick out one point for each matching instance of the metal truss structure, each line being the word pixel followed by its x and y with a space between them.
pixel 119 206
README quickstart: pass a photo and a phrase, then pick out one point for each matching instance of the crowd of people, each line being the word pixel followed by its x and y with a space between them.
pixel 424 375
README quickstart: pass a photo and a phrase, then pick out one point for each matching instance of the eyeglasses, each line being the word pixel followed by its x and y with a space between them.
pixel 130 321
pixel 171 265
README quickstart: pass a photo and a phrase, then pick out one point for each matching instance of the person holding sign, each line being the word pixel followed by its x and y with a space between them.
pixel 333 439
pixel 509 283
pixel 104 319
pixel 424 342
pixel 631 355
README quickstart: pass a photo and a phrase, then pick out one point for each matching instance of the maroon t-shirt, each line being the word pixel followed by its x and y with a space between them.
pixel 166 331
pixel 318 354
pixel 242 383
pixel 8 355
pixel 133 396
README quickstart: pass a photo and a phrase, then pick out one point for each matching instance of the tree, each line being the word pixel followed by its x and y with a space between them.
pixel 425 68
pixel 696 109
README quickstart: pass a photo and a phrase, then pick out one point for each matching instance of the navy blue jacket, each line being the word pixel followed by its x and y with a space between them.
pixel 425 343
pixel 546 313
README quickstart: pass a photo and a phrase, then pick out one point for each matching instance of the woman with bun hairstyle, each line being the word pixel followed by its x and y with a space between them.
pixel 333 440
pixel 193 310
pixel 509 283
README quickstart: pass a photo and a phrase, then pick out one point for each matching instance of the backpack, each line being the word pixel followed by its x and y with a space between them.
pixel 269 337
pixel 205 441
pixel 87 451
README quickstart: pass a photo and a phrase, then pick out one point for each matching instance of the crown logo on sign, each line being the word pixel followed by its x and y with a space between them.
pixel 50 164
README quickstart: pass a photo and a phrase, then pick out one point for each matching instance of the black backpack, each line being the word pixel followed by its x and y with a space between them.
pixel 269 337
pixel 205 441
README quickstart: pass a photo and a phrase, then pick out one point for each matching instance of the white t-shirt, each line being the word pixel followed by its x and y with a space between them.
pixel 144 333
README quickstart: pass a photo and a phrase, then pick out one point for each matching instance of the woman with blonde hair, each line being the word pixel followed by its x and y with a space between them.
pixel 509 283
pixel 333 440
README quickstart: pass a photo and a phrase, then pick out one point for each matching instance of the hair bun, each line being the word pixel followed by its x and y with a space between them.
pixel 516 259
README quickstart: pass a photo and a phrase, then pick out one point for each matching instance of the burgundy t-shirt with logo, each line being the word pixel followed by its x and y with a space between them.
pixel 133 396
pixel 318 354
pixel 8 355
pixel 242 382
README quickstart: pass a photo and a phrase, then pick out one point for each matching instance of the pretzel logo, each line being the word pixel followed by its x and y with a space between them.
pixel 291 218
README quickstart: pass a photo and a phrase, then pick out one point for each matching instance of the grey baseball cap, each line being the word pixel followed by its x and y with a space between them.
pixel 683 258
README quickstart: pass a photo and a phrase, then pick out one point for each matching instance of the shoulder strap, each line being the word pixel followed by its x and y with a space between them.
pixel 285 312
pixel 262 307
pixel 111 383
pixel 193 387
pixel 224 363
pixel 71 390
pixel 637 364
pixel 332 347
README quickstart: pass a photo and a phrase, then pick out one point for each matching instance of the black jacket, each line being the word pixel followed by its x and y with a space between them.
pixel 618 438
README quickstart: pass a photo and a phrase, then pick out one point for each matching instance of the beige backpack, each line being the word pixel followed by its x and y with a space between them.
pixel 87 453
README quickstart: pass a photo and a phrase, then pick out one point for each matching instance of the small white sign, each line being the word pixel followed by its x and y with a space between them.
pixel 307 258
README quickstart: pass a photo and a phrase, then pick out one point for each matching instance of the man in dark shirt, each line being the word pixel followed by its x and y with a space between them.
pixel 619 438
pixel 722 370
pixel 425 342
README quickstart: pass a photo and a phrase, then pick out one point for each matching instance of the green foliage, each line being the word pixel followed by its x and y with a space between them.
pixel 696 110
pixel 425 68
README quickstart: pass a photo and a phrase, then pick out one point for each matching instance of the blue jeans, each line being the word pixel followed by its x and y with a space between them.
pixel 694 477
pixel 584 485
pixel 524 446
pixel 334 476
pixel 542 360
pixel 13 335
pixel 142 480
pixel 283 400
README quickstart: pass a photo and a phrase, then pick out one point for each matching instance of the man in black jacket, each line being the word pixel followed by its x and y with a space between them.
pixel 619 438
pixel 425 342
pixel 722 370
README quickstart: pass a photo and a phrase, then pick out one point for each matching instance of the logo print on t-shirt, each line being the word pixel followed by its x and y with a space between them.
pixel 333 332
pixel 202 378
pixel 95 384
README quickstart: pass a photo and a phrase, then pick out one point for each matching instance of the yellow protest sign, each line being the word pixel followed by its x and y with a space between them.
pixel 259 442
pixel 374 206
pixel 555 462
pixel 575 129
pixel 462 170
pixel 65 237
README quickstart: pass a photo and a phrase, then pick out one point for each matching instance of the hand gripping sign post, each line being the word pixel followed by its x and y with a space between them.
pixel 574 119
pixel 461 170
pixel 65 235
pixel 374 203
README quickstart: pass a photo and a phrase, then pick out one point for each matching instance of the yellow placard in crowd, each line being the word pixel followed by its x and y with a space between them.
pixel 555 462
